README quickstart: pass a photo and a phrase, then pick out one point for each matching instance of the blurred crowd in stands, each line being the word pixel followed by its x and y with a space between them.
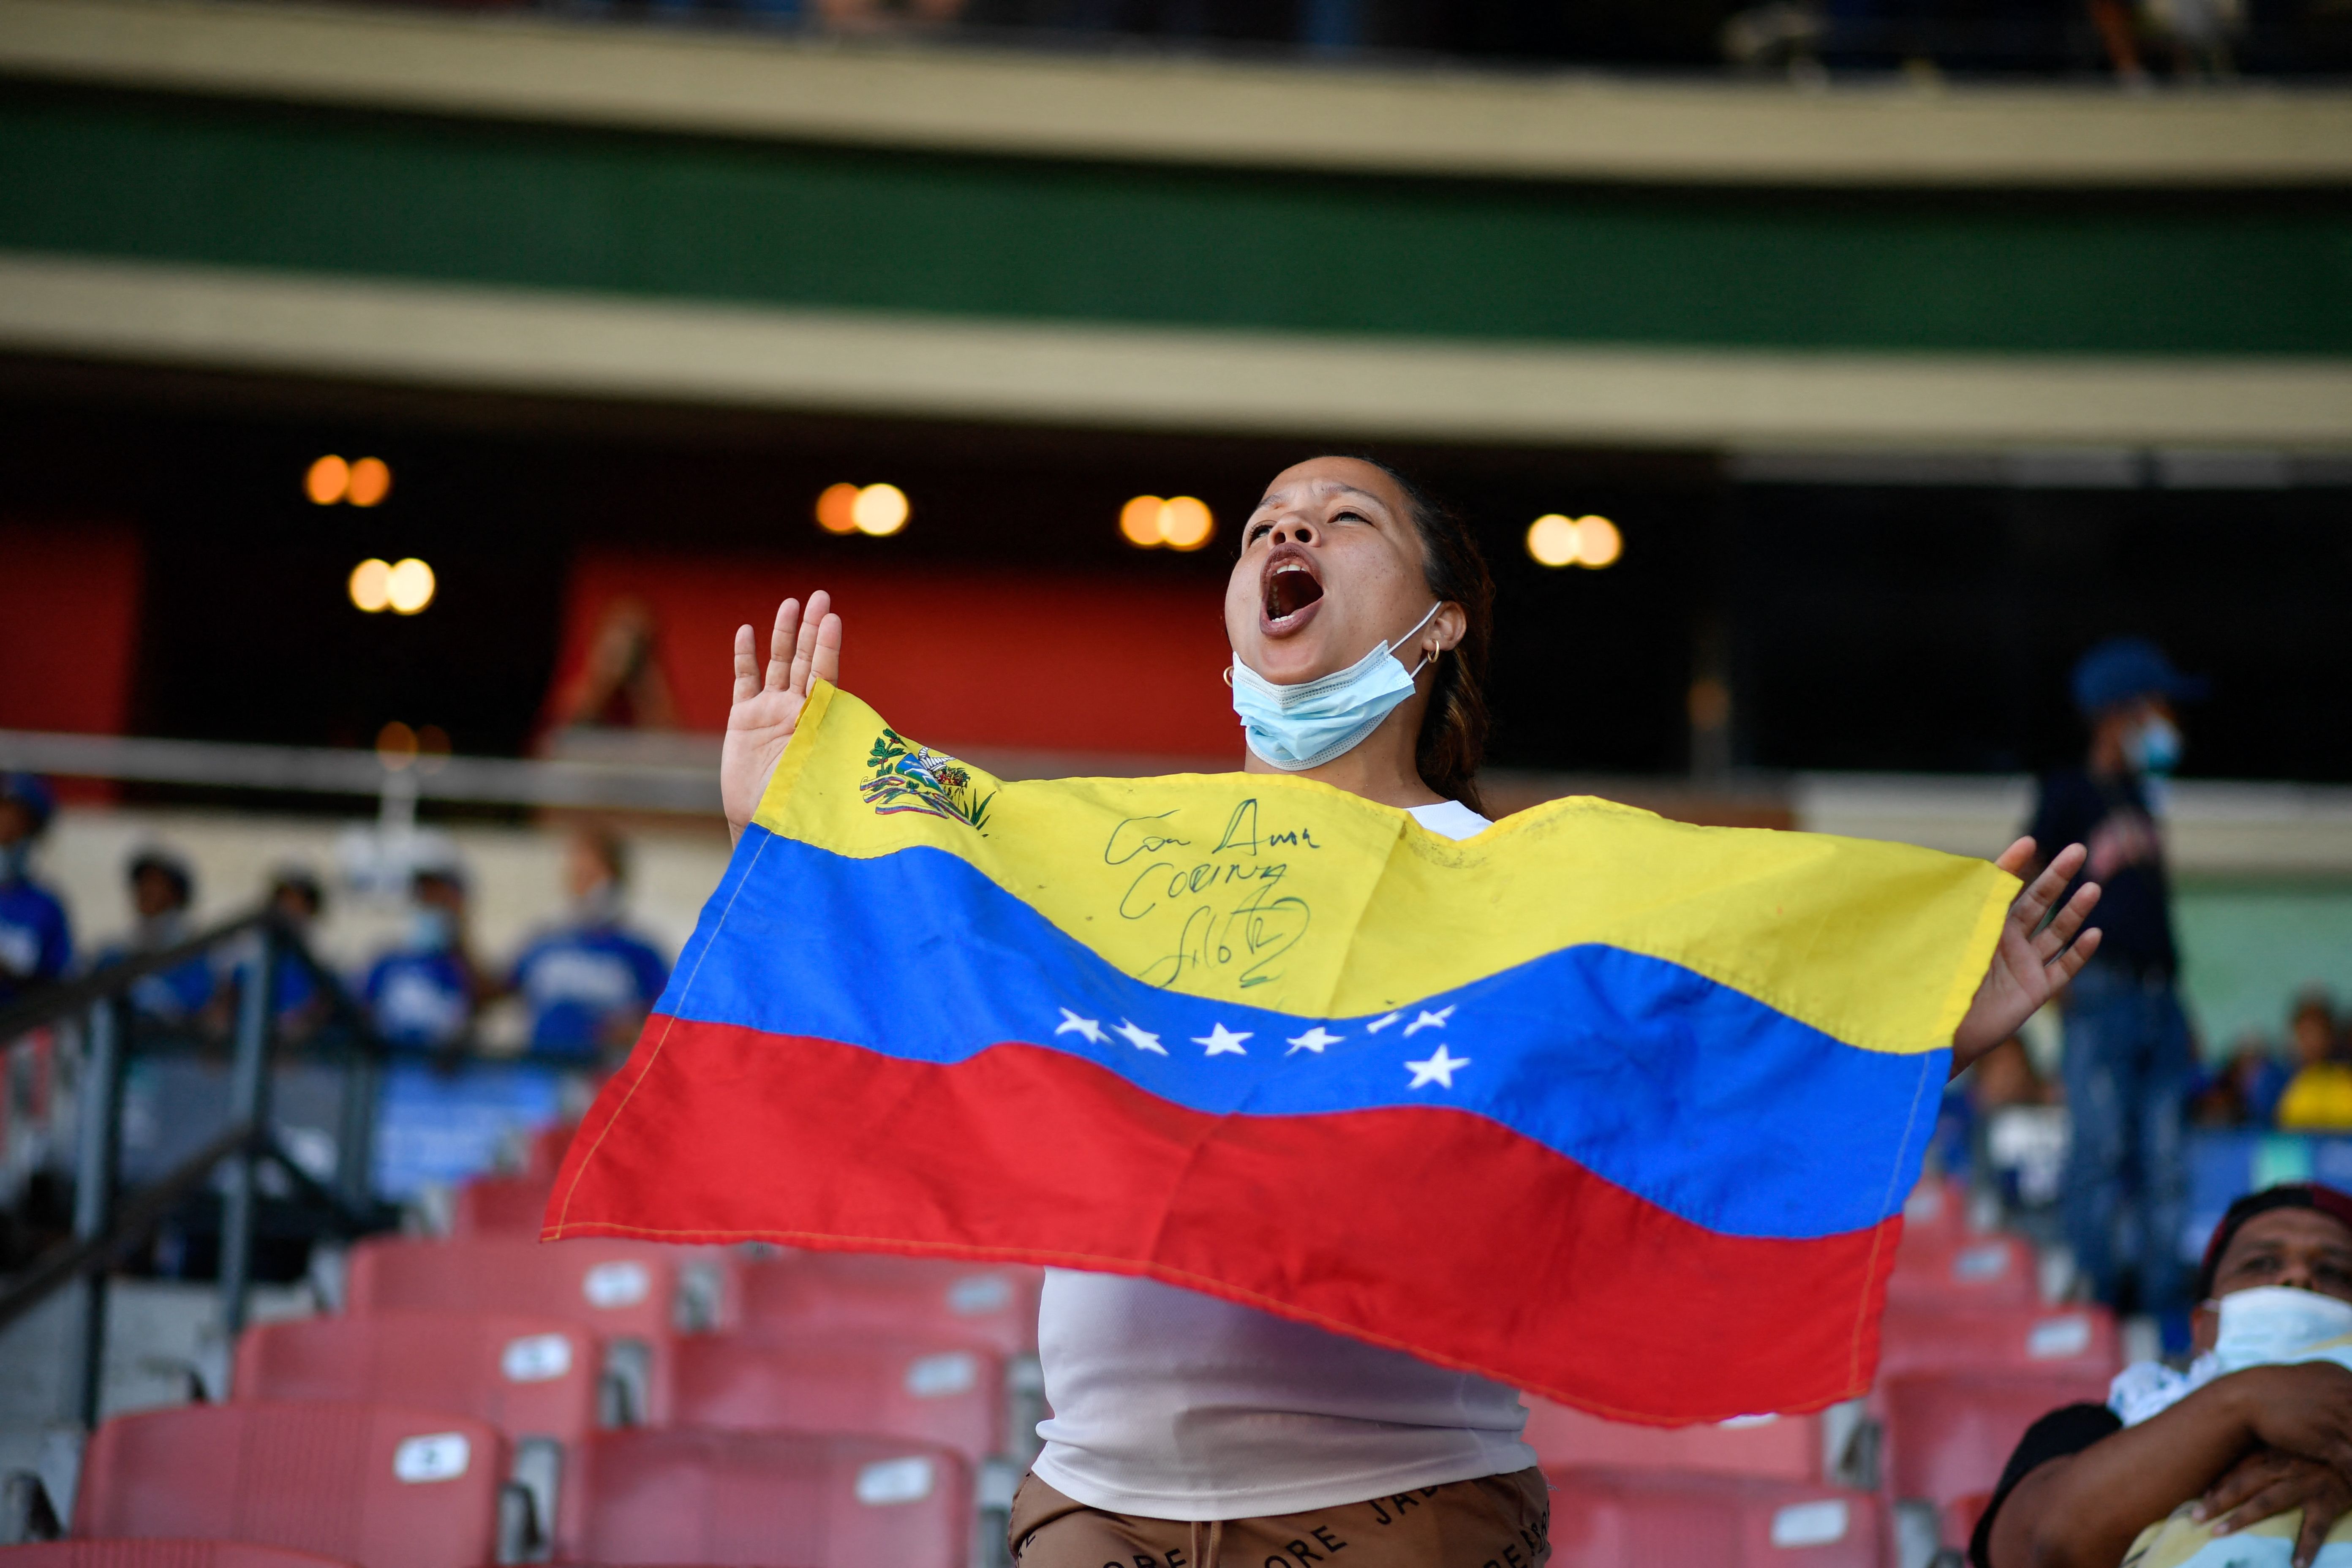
pixel 586 981
pixel 2132 40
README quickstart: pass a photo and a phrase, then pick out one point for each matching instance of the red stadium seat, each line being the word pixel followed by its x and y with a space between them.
pixel 625 1292
pixel 502 1205
pixel 530 1377
pixel 544 1156
pixel 930 1300
pixel 1949 1433
pixel 1647 1518
pixel 765 1500
pixel 1915 1338
pixel 1785 1447
pixel 159 1554
pixel 1936 1209
pixel 1940 1269
pixel 377 1487
pixel 951 1396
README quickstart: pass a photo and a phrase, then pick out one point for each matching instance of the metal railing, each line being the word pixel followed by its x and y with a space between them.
pixel 108 1222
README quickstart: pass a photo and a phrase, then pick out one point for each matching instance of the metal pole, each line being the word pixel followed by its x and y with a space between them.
pixel 248 1102
pixel 355 1142
pixel 102 1071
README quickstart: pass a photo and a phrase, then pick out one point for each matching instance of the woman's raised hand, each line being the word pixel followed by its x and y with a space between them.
pixel 767 704
pixel 2033 961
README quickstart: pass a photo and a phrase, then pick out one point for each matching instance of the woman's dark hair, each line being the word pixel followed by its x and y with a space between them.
pixel 1453 729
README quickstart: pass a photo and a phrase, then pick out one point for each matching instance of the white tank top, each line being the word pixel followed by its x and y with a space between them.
pixel 1169 1403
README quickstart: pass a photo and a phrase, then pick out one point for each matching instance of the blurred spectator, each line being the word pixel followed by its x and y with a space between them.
pixel 423 994
pixel 35 941
pixel 2274 1293
pixel 621 684
pixel 2199 33
pixel 589 982
pixel 162 889
pixel 2318 1099
pixel 2244 1090
pixel 2128 1064
pixel 2005 1076
pixel 296 895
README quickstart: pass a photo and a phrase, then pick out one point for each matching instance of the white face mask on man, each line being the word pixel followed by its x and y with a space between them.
pixel 2270 1325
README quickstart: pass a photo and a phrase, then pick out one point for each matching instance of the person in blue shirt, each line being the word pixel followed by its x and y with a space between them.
pixel 423 995
pixel 36 938
pixel 589 982
pixel 162 889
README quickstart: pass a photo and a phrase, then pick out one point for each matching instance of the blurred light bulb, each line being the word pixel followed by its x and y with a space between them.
pixel 1138 521
pixel 372 584
pixel 1553 539
pixel 371 481
pixel 1185 524
pixel 1598 542
pixel 408 586
pixel 836 509
pixel 880 509
pixel 396 746
pixel 328 480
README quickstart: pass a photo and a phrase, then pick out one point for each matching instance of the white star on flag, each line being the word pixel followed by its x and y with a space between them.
pixel 1437 1070
pixel 1429 1021
pixel 1223 1042
pixel 1072 1024
pixel 1314 1039
pixel 1142 1040
pixel 1377 1026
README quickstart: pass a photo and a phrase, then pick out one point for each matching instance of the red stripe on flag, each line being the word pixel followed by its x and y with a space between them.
pixel 1434 1230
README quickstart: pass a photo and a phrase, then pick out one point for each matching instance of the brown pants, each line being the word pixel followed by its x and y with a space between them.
pixel 1502 1522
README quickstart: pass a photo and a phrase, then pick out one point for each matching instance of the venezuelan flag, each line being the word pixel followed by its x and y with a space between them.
pixel 1608 1106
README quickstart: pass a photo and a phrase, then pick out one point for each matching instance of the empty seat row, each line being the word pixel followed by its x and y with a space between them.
pixel 380 1486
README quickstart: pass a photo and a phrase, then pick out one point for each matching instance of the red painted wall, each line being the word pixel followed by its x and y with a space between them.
pixel 69 626
pixel 970 658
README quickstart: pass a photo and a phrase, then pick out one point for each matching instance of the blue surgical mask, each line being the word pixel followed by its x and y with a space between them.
pixel 430 930
pixel 2273 1323
pixel 1303 726
pixel 2154 746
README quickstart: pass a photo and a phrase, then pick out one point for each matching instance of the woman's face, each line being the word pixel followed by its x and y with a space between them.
pixel 2302 1249
pixel 1331 566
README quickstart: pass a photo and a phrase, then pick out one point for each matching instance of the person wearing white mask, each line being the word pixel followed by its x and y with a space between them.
pixel 2128 1064
pixel 1188 1431
pixel 2256 1431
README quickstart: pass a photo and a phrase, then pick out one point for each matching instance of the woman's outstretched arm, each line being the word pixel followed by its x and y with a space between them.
pixel 767 704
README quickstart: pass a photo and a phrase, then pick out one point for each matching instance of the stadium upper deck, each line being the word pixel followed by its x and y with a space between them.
pixel 523 203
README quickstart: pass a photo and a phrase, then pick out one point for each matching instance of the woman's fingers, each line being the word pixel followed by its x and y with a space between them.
pixel 2043 891
pixel 827 667
pixel 779 643
pixel 746 665
pixel 2016 857
pixel 2067 922
pixel 820 605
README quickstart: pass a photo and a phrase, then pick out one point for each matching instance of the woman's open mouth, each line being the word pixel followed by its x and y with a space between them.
pixel 1288 590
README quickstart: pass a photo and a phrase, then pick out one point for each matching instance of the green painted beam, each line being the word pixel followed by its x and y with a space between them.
pixel 694 219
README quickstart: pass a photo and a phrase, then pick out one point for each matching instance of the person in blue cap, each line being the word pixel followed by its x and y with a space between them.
pixel 2128 1064
pixel 163 888
pixel 36 938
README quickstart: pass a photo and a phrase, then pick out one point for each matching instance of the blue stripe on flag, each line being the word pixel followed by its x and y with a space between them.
pixel 1683 1091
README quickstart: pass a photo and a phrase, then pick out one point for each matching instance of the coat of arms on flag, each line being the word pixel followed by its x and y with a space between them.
pixel 1615 1109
